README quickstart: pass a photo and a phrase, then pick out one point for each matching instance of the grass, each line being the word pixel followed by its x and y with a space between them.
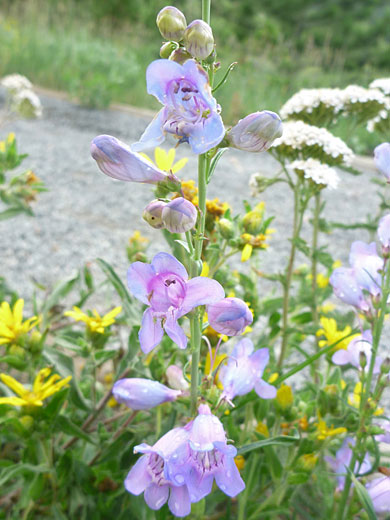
pixel 100 66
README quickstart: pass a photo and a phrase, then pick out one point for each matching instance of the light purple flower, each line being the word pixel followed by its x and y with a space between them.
pixel 384 437
pixel 179 215
pixel 164 286
pixel 116 160
pixel 229 316
pixel 206 456
pixel 341 462
pixel 384 233
pixel 244 371
pixel 176 378
pixel 347 289
pixel 149 476
pixel 152 214
pixel 142 394
pixel 362 343
pixel 379 491
pixel 256 132
pixel 366 265
pixel 190 112
pixel 382 159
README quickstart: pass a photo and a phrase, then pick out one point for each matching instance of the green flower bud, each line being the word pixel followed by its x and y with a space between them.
pixel 27 422
pixel 171 23
pixel 17 351
pixel 226 228
pixel 167 49
pixel 199 39
pixel 385 366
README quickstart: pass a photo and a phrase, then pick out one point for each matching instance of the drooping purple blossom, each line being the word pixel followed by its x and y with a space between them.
pixel 164 286
pixel 347 289
pixel 384 233
pixel 204 457
pixel 179 215
pixel 116 160
pixel 256 132
pixel 379 491
pixel 229 316
pixel 142 394
pixel 351 355
pixel 244 371
pixel 190 111
pixel 382 159
pixel 149 475
pixel 341 462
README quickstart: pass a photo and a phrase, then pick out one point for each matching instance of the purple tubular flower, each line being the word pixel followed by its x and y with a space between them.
pixel 229 316
pixel 148 475
pixel 190 112
pixel 142 394
pixel 379 491
pixel 164 286
pixel 179 215
pixel 204 457
pixel 244 370
pixel 351 355
pixel 341 462
pixel 366 265
pixel 384 233
pixel 152 214
pixel 116 160
pixel 347 289
pixel 382 159
pixel 256 132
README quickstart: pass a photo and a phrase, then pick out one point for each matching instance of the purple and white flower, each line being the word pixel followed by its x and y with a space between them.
pixel 204 457
pixel 179 215
pixel 142 394
pixel 176 378
pixel 351 355
pixel 164 286
pixel 149 475
pixel 229 316
pixel 379 491
pixel 190 111
pixel 256 132
pixel 244 371
pixel 341 462
pixel 382 159
pixel 384 233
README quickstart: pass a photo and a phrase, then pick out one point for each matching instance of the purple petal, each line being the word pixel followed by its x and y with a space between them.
pixel 139 275
pixel 159 75
pixel 175 332
pixel 379 491
pixel 156 496
pixel 265 390
pixel 166 263
pixel 118 161
pixel 206 134
pixel 201 291
pixel 153 135
pixel 138 477
pixel 198 485
pixel 384 231
pixel 342 357
pixel 142 394
pixel 228 479
pixel 259 360
pixel 382 159
pixel 244 348
pixel 179 501
pixel 200 79
pixel 205 431
pixel 347 289
pixel 151 332
pixel 366 263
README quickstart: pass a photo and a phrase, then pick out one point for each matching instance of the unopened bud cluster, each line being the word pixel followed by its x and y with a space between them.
pixel 177 216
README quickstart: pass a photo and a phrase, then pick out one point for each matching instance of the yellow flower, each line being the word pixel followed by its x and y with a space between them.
pixel 355 398
pixel 12 325
pixel 205 269
pixel 240 462
pixel 323 432
pixel 41 390
pixel 10 138
pixel 308 461
pixel 164 160
pixel 332 334
pixel 262 428
pixel 246 252
pixel 189 190
pixel 2 146
pixel 216 207
pixel 327 307
pixel 207 367
pixel 95 323
pixel 273 377
pixel 336 264
pixel 284 397
pixel 137 239
pixel 322 281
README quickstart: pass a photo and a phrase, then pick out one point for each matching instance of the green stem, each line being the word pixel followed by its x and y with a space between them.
pixel 314 286
pixel 206 7
pixel 243 497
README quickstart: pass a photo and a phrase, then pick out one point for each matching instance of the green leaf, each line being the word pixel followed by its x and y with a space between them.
pixel 104 355
pixel 65 425
pixel 14 362
pixel 59 292
pixel 214 163
pixel 12 212
pixel 302 246
pixel 363 496
pixel 184 244
pixel 15 470
pixel 298 478
pixel 280 440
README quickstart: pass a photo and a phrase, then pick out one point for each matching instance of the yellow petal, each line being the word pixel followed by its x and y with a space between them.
pixel 18 312
pixel 14 385
pixel 6 315
pixel 179 165
pixel 170 157
pixel 205 269
pixel 161 158
pixel 113 313
pixel 15 401
pixel 246 252
pixel 55 388
pixel 41 376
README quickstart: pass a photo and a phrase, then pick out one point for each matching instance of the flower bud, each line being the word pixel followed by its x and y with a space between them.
pixel 256 132
pixel 167 49
pixel 176 378
pixel 385 366
pixel 180 56
pixel 226 228
pixel 142 394
pixel 179 215
pixel 199 39
pixel 253 220
pixel 153 213
pixel 382 159
pixel 362 359
pixel 171 23
pixel 229 316
pixel 284 397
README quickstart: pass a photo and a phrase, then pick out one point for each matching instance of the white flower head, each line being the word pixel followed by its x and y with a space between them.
pixel 26 103
pixel 15 82
pixel 381 123
pixel 363 102
pixel 317 105
pixel 382 84
pixel 321 174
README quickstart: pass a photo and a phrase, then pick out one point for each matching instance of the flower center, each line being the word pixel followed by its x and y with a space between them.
pixel 206 461
pixel 156 469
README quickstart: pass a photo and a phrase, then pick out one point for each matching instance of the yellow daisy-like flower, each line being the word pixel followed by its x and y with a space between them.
pixel 323 431
pixel 12 325
pixel 95 323
pixel 355 398
pixel 165 160
pixel 216 208
pixel 41 389
pixel 332 334
pixel 253 242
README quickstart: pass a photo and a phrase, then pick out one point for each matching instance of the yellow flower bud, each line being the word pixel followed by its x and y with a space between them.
pixel 284 397
pixel 240 462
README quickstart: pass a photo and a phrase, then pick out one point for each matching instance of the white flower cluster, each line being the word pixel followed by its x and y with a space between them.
pixel 21 97
pixel 382 84
pixel 319 173
pixel 362 102
pixel 300 140
pixel 312 100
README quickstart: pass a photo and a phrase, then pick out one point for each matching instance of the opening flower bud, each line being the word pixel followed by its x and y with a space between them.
pixel 180 56
pixel 199 39
pixel 171 23
pixel 256 132
pixel 179 215
pixel 229 316
pixel 153 214
pixel 142 394
pixel 175 378
pixel 226 228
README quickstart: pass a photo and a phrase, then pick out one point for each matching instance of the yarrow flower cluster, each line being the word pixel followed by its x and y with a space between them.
pixel 321 174
pixel 381 122
pixel 22 99
pixel 317 106
pixel 15 82
pixel 362 102
pixel 303 141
